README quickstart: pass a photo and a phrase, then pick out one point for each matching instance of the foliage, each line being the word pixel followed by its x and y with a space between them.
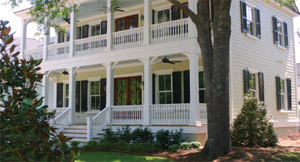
pixel 167 138
pixel 190 145
pixel 110 136
pixel 252 127
pixel 174 148
pixel 196 144
pixel 142 135
pixel 91 145
pixel 75 146
pixel 25 133
pixel 125 134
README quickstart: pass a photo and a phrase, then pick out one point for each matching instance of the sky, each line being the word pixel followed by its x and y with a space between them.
pixel 7 13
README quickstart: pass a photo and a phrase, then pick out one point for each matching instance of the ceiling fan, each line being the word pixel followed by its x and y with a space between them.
pixel 166 60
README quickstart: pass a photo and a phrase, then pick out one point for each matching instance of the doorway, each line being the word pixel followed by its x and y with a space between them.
pixel 128 91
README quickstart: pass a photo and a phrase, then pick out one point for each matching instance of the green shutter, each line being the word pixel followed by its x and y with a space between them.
pixel 103 93
pixel 286 40
pixel 186 85
pixel 77 96
pixel 153 88
pixel 176 87
pixel 84 95
pixel 59 95
pixel 275 32
pixel 243 17
pixel 278 95
pixel 246 81
pixel 289 93
pixel 257 23
pixel 261 87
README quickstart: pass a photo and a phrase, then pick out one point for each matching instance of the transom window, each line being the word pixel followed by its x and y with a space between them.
pixel 95 30
pixel 165 89
pixel 252 85
pixel 95 95
pixel 163 16
pixel 201 88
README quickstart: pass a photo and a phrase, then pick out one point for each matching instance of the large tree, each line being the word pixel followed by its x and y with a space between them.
pixel 215 57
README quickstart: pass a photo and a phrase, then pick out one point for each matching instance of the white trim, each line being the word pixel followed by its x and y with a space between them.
pixel 278 124
pixel 121 15
pixel 252 70
pixel 200 68
pixel 129 75
pixel 164 72
pixel 91 79
pixel 251 36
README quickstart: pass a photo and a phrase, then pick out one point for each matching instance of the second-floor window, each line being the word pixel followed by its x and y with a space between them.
pixel 250 19
pixel 163 16
pixel 95 30
pixel 280 32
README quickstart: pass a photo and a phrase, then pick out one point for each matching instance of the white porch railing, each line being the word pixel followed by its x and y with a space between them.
pixel 168 31
pixel 36 53
pixel 58 110
pixel 131 114
pixel 170 114
pixel 58 51
pixel 91 45
pixel 97 123
pixel 62 121
pixel 203 113
pixel 128 38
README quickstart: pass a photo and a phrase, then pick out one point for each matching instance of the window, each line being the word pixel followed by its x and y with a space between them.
pixel 163 16
pixel 280 32
pixel 201 88
pixel 66 95
pixel 250 19
pixel 95 95
pixel 103 27
pixel 60 37
pixel 165 89
pixel 95 30
pixel 282 94
pixel 68 36
pixel 252 85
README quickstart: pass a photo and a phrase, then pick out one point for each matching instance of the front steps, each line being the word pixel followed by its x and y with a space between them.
pixel 78 132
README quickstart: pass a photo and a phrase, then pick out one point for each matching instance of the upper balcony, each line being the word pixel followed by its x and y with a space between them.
pixel 92 30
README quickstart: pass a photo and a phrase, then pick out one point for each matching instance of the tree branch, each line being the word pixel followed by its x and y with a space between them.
pixel 185 9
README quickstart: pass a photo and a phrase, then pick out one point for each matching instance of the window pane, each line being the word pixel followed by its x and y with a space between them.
pixel 168 97
pixel 133 84
pixel 202 96
pixel 98 102
pixel 97 88
pixel 162 98
pixel 166 15
pixel 161 79
pixel 252 84
pixel 67 102
pixel 160 16
pixel 93 103
pixel 67 90
pixel 282 87
pixel 168 82
pixel 201 80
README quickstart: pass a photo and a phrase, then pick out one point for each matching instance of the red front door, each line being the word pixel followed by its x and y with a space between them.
pixel 127 91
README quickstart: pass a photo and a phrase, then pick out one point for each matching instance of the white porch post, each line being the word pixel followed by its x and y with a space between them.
pixel 147 90
pixel 110 26
pixel 73 25
pixel 109 87
pixel 147 20
pixel 194 88
pixel 23 38
pixel 54 78
pixel 72 92
pixel 46 41
pixel 192 26
pixel 45 88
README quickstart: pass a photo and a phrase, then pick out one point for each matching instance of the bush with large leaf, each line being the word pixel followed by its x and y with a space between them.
pixel 25 133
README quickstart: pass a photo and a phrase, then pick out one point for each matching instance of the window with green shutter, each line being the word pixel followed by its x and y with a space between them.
pixel 250 19
pixel 165 89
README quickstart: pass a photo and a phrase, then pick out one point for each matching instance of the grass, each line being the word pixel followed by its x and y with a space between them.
pixel 116 157
pixel 292 156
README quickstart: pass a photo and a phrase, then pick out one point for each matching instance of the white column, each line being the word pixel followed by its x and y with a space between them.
pixel 194 88
pixel 72 92
pixel 109 87
pixel 23 38
pixel 192 26
pixel 73 25
pixel 54 78
pixel 45 88
pixel 147 90
pixel 147 20
pixel 110 26
pixel 46 41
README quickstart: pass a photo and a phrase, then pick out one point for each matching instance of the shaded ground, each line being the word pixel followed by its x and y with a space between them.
pixel 287 150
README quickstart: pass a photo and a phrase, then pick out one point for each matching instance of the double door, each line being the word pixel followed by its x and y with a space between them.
pixel 125 23
pixel 128 91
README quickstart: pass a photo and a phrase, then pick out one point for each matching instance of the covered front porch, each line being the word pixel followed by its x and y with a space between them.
pixel 146 92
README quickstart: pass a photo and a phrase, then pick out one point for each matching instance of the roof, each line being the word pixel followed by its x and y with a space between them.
pixel 30 43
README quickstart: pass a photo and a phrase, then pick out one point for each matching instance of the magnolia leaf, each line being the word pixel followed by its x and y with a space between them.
pixel 8 39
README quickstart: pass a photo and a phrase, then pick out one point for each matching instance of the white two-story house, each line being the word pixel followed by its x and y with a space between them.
pixel 142 66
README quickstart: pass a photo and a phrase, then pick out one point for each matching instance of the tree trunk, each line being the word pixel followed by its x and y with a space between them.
pixel 215 57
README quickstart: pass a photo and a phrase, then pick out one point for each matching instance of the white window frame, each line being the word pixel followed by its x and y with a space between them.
pixel 280 34
pixel 91 26
pixel 283 95
pixel 255 72
pixel 90 80
pixel 163 72
pixel 164 9
pixel 65 82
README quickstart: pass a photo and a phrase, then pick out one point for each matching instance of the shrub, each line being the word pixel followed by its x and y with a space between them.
pixel 140 135
pixel 162 136
pixel 154 147
pixel 122 146
pixel 177 137
pixel 105 146
pixel 139 147
pixel 91 146
pixel 195 144
pixel 25 133
pixel 186 145
pixel 173 148
pixel 251 127
pixel 110 136
pixel 125 134
pixel 75 145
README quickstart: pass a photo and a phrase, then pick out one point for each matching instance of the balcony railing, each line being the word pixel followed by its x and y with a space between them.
pixel 91 45
pixel 36 53
pixel 58 51
pixel 132 114
pixel 159 33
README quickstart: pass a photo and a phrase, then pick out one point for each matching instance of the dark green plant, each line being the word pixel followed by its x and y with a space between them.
pixel 195 144
pixel 252 127
pixel 173 148
pixel 91 146
pixel 177 137
pixel 122 146
pixel 162 136
pixel 125 134
pixel 25 133
pixel 106 146
pixel 75 146
pixel 110 136
pixel 141 135
pixel 186 145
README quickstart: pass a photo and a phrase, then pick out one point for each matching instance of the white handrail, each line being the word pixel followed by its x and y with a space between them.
pixel 62 120
pixel 128 38
pixel 90 45
pixel 35 53
pixel 58 51
pixel 96 124
pixel 127 114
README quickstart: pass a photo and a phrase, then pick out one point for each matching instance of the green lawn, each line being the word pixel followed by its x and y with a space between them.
pixel 116 157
